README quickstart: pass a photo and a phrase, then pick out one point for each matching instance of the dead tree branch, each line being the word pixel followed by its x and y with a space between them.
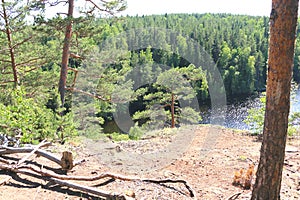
pixel 43 143
pixel 43 175
pixel 91 190
pixel 43 153
pixel 64 180
pixel 11 150
pixel 94 178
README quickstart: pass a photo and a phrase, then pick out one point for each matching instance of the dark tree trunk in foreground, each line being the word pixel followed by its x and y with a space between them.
pixel 283 22
pixel 65 54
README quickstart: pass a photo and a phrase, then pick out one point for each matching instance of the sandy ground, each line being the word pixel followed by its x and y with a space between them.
pixel 205 156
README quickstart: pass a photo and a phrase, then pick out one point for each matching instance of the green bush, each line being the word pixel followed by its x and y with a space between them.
pixel 33 121
pixel 255 118
pixel 119 136
pixel 135 132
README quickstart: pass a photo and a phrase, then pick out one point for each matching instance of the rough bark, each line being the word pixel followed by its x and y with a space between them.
pixel 283 22
pixel 65 54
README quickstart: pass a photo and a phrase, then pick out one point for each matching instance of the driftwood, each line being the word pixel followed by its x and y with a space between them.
pixel 65 180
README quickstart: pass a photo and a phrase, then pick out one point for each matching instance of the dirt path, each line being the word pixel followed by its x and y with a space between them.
pixel 207 159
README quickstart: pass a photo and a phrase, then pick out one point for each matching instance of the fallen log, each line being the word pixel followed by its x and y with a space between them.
pixel 91 190
pixel 12 150
pixel 43 153
pixel 98 177
pixel 64 180
pixel 43 143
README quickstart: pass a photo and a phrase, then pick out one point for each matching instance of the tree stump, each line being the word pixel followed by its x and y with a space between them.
pixel 67 160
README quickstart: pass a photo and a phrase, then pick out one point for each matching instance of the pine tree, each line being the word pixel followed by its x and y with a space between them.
pixel 283 23
pixel 169 99
pixel 91 8
pixel 18 36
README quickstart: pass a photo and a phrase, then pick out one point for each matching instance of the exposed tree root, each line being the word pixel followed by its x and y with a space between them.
pixel 65 180
pixel 233 197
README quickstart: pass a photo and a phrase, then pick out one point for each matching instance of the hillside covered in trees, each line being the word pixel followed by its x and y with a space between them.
pixel 111 61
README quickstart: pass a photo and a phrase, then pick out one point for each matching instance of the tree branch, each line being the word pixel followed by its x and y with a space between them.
pixel 43 143
pixel 58 177
pixel 91 190
pixel 100 9
pixel 88 94
pixel 11 150
pixel 3 60
pixel 5 82
pixel 32 69
pixel 28 61
pixel 75 76
pixel 56 3
pixel 233 197
pixel 41 175
pixel 62 180
pixel 23 41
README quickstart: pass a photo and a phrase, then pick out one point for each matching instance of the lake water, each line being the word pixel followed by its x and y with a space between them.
pixel 237 112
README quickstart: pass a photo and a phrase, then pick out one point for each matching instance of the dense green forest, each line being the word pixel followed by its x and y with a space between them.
pixel 126 60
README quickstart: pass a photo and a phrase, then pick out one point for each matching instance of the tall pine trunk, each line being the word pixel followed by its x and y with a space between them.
pixel 10 46
pixel 283 22
pixel 65 54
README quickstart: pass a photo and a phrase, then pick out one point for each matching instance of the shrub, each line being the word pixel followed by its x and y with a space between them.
pixel 119 136
pixel 32 120
pixel 255 119
pixel 135 132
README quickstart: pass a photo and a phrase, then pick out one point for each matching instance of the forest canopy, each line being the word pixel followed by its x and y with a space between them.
pixel 106 52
